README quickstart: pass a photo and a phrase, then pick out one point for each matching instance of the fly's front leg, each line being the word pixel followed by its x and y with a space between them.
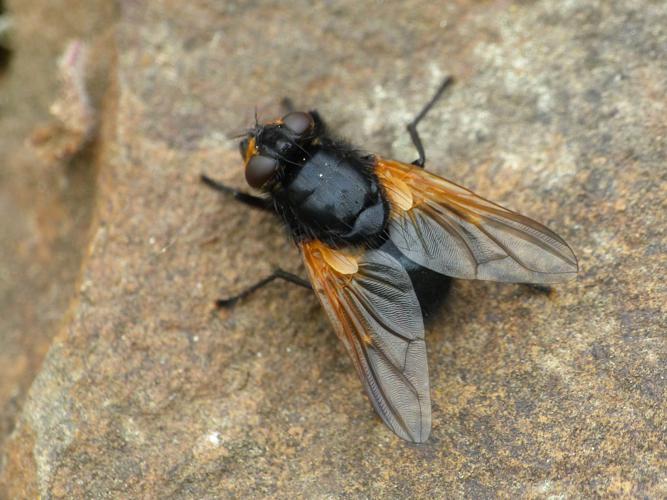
pixel 287 105
pixel 412 126
pixel 245 198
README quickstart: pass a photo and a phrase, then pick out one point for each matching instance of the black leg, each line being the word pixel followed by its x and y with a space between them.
pixel 545 289
pixel 248 199
pixel 412 126
pixel 287 104
pixel 277 274
pixel 320 125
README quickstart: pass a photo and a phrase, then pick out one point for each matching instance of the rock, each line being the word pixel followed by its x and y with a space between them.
pixel 45 209
pixel 147 391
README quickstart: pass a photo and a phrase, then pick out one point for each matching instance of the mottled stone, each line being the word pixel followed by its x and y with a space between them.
pixel 45 209
pixel 147 391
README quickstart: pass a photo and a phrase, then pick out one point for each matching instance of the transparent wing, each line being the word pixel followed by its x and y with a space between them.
pixel 375 313
pixel 451 230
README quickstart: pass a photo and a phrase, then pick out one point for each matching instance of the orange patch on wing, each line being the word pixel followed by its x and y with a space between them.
pixel 408 186
pixel 399 193
pixel 393 180
pixel 339 261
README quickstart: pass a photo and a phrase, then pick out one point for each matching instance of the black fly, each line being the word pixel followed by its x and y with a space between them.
pixel 379 239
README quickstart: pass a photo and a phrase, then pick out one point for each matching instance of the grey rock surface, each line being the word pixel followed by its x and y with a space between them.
pixel 148 391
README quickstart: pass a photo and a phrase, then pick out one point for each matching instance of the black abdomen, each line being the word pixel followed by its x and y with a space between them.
pixel 430 287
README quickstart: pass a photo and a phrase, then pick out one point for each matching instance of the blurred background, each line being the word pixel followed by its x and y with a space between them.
pixel 118 379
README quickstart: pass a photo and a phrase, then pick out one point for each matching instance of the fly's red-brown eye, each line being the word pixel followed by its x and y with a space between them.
pixel 259 170
pixel 299 122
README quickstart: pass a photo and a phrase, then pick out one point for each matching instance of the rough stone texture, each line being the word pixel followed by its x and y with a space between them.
pixel 146 391
pixel 45 209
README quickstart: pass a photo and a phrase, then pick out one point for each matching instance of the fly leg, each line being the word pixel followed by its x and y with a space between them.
pixel 320 125
pixel 245 198
pixel 262 204
pixel 277 274
pixel 287 104
pixel 412 126
pixel 288 107
pixel 543 289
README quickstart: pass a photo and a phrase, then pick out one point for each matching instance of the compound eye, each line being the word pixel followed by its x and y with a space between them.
pixel 259 170
pixel 299 122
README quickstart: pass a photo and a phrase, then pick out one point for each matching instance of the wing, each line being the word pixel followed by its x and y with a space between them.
pixel 449 229
pixel 372 305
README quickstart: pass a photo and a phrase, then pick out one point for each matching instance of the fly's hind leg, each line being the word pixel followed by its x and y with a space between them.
pixel 543 289
pixel 412 126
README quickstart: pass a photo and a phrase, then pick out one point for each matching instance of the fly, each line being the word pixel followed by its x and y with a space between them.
pixel 380 239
